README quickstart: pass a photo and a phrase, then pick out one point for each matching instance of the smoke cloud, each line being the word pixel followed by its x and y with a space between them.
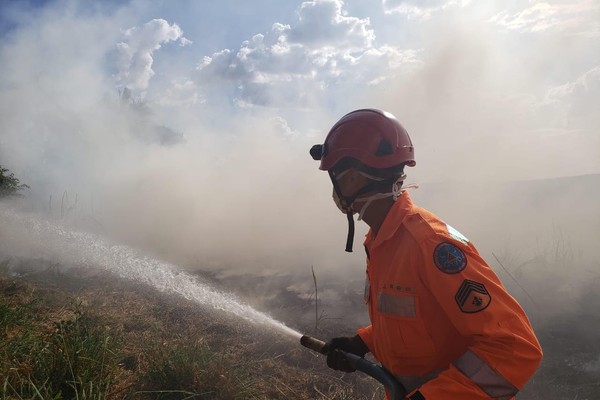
pixel 203 159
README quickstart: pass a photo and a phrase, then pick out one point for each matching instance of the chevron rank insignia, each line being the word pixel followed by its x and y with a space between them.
pixel 472 297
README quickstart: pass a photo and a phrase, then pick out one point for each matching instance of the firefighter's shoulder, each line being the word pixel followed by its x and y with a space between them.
pixel 423 224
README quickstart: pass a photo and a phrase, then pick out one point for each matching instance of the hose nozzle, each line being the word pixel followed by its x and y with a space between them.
pixel 313 344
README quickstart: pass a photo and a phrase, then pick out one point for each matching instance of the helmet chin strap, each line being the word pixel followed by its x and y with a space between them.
pixel 345 203
pixel 350 212
pixel 369 199
pixel 350 237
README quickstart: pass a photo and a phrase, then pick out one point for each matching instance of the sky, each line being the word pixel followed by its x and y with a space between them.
pixel 184 127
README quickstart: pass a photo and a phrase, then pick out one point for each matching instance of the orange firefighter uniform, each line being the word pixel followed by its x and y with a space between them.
pixel 441 321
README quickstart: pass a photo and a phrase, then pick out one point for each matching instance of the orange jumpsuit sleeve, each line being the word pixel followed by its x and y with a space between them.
pixel 366 334
pixel 503 352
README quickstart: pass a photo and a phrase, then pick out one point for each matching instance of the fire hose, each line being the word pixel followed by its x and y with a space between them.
pixel 395 389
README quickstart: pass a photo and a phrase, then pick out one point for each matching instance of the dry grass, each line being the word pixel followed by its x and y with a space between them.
pixel 85 335
pixel 88 336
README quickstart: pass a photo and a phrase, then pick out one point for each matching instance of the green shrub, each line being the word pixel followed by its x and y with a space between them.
pixel 9 185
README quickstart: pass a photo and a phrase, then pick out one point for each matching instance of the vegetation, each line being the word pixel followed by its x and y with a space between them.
pixel 85 335
pixel 71 359
pixel 63 337
pixel 9 185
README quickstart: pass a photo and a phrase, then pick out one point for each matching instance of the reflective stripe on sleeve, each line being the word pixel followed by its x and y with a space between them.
pixel 401 306
pixel 484 376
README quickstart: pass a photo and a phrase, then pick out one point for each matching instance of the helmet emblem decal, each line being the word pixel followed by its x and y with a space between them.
pixel 384 149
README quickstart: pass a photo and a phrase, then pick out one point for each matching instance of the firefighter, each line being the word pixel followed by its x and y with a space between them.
pixel 441 321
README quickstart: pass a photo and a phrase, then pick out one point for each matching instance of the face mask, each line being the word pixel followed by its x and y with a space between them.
pixel 335 196
pixel 395 193
pixel 338 204
pixel 368 200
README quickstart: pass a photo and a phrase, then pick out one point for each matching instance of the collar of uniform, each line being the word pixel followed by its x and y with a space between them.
pixel 392 221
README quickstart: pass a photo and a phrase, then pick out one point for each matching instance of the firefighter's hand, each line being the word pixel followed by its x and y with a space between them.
pixel 336 359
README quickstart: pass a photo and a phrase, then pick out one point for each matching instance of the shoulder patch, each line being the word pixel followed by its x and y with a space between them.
pixel 449 258
pixel 457 235
pixel 472 297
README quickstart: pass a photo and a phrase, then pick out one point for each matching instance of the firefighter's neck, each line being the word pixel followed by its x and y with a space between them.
pixel 376 212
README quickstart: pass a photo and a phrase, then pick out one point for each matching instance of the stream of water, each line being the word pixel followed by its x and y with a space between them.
pixel 83 248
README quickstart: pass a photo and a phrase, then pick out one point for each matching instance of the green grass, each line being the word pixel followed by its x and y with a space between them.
pixel 90 341
pixel 188 369
pixel 75 359
pixel 79 359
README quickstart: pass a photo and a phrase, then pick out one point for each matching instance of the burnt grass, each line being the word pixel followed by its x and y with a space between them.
pixel 162 346
pixel 570 339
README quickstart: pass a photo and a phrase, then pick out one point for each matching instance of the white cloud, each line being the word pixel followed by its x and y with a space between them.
pixel 576 102
pixel 420 9
pixel 181 93
pixel 293 64
pixel 134 53
pixel 281 126
pixel 575 17
pixel 322 24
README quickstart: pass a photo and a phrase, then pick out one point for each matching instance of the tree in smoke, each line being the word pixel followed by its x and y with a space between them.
pixel 9 185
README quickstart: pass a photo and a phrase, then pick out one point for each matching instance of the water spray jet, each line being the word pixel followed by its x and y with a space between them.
pixel 82 248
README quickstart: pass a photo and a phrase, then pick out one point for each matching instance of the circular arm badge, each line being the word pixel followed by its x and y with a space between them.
pixel 449 258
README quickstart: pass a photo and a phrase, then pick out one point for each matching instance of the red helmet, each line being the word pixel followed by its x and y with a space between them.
pixel 373 137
